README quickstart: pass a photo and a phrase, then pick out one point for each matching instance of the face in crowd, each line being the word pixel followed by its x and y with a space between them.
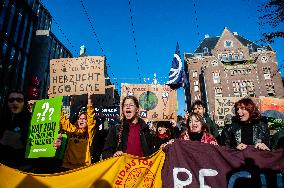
pixel 130 108
pixel 195 124
pixel 199 109
pixel 162 130
pixel 16 102
pixel 82 121
pixel 243 113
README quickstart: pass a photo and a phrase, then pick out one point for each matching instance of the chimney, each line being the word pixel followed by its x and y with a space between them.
pixel 206 36
pixel 235 33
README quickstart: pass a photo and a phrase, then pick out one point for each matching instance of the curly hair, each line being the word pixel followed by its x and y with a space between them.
pixel 204 126
pixel 250 106
pixel 197 103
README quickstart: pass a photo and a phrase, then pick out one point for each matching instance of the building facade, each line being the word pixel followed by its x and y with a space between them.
pixel 45 46
pixel 231 66
pixel 19 19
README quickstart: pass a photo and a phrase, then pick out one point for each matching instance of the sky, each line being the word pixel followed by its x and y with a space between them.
pixel 158 25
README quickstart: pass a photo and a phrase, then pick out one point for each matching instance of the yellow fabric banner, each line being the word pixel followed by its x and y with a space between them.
pixel 124 171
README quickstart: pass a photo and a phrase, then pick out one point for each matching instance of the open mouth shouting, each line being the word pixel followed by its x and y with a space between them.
pixel 129 114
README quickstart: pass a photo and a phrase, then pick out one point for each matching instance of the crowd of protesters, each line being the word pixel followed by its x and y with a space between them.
pixel 131 135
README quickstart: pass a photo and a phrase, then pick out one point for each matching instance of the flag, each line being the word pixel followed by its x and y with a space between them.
pixel 177 76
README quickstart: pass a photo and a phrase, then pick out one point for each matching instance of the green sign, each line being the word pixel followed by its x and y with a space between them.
pixel 44 128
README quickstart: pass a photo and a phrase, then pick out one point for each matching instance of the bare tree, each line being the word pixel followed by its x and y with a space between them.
pixel 272 14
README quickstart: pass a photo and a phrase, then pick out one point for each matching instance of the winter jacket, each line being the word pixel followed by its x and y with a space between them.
pixel 112 145
pixel 77 153
pixel 231 134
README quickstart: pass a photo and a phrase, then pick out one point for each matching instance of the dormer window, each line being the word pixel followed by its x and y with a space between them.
pixel 224 57
pixel 228 44
pixel 236 57
pixel 205 50
pixel 230 57
pixel 250 47
pixel 241 55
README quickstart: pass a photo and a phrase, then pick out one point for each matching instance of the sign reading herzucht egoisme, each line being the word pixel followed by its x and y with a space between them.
pixel 44 128
pixel 76 76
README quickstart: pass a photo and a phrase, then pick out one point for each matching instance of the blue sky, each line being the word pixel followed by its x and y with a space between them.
pixel 158 25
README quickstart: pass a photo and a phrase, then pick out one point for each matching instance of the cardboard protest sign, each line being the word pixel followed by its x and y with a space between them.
pixel 224 108
pixel 44 128
pixel 157 102
pixel 76 76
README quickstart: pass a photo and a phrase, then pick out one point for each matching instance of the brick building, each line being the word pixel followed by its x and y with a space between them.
pixel 230 65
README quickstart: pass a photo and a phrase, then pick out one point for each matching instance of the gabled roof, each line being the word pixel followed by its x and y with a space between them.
pixel 246 42
pixel 209 42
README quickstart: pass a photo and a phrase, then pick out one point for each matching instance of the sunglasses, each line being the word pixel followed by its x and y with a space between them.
pixel 18 99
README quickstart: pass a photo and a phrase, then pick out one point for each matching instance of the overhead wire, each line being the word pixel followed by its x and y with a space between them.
pixel 61 30
pixel 134 38
pixel 196 20
pixel 97 38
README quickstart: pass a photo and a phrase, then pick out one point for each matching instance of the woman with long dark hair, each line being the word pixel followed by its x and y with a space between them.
pixel 132 136
pixel 247 127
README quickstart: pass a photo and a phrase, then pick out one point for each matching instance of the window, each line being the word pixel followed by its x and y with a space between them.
pixel 4 49
pixel 29 38
pixel 236 57
pixel 230 57
pixel 218 92
pixel 194 74
pixel 196 85
pixel 224 57
pixel 197 97
pixel 205 50
pixel 17 27
pixel 3 13
pixel 10 23
pixel 243 88
pixel 219 56
pixel 24 32
pixel 266 73
pixel 241 55
pixel 250 47
pixel 270 89
pixel 228 44
pixel 216 77
pixel 214 63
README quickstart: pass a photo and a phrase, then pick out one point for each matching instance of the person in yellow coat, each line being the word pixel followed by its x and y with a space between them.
pixel 80 137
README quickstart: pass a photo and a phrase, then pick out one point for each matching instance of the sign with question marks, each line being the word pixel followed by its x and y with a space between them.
pixel 44 128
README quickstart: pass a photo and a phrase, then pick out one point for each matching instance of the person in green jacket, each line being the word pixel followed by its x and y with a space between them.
pixel 199 108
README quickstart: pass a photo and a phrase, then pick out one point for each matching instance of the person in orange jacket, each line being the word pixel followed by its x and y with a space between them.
pixel 80 137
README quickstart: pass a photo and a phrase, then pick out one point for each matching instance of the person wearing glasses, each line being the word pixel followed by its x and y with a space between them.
pixel 132 136
pixel 15 120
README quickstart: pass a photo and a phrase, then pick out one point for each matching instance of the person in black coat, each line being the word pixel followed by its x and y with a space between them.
pixel 15 121
pixel 247 128
pixel 131 136
pixel 165 131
